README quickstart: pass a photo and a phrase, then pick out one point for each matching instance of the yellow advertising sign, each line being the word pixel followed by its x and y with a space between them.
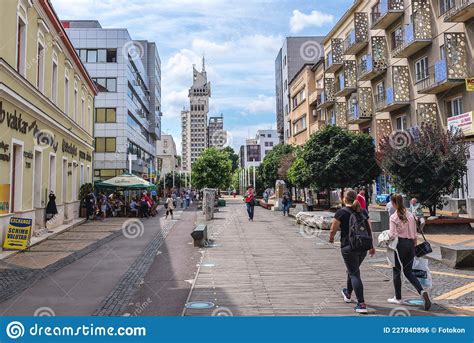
pixel 4 198
pixel 18 234
pixel 470 84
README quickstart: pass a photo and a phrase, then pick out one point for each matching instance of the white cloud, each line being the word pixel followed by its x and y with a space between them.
pixel 299 21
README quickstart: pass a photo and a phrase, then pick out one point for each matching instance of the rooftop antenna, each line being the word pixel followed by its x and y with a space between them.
pixel 203 63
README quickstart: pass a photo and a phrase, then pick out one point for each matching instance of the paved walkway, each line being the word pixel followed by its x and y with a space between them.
pixel 79 271
pixel 268 267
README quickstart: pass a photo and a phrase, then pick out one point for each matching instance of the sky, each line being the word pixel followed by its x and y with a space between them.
pixel 240 40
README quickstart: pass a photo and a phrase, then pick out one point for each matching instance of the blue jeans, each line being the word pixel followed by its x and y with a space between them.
pixel 250 210
pixel 286 208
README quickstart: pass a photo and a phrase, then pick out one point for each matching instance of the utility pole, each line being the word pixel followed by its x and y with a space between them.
pixel 254 185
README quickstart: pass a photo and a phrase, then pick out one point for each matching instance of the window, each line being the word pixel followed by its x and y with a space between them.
pixel 284 61
pixel 445 6
pixel 421 69
pixel 83 111
pixel 299 125
pixel 106 84
pixel 105 144
pixel 54 81
pixel 40 67
pixel 454 107
pixel 21 46
pixel 269 135
pixel 298 98
pixel 97 55
pixel 396 37
pixel 402 122
pixel 105 115
pixel 66 95
pixel 75 104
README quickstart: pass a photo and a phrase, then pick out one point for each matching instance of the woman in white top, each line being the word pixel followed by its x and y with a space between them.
pixel 169 206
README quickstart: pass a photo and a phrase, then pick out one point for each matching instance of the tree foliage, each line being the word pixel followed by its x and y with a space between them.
pixel 427 164
pixel 212 169
pixel 275 165
pixel 233 157
pixel 298 173
pixel 337 158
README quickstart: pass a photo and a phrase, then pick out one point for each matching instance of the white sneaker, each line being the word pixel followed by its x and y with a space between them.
pixel 395 301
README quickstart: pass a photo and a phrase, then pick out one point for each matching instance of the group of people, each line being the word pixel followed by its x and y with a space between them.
pixel 403 226
pixel 101 206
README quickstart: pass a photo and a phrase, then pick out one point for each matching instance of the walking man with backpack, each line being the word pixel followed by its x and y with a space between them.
pixel 356 240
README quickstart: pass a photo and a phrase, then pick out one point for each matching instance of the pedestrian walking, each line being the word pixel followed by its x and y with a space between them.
pixel 286 201
pixel 389 207
pixel 416 209
pixel 310 201
pixel 103 205
pixel 403 226
pixel 169 206
pixel 353 222
pixel 361 199
pixel 250 202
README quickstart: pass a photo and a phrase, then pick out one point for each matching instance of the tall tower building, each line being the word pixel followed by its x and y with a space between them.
pixel 194 120
pixel 217 136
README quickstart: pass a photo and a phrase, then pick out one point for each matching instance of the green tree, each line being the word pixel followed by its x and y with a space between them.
pixel 298 173
pixel 337 158
pixel 212 169
pixel 275 165
pixel 233 157
pixel 426 164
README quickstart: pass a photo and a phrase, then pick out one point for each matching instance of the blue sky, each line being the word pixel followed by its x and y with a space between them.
pixel 240 40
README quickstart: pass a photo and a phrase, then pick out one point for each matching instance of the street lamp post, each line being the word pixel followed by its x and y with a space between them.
pixel 254 185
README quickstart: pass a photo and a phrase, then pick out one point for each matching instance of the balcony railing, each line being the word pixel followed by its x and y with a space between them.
pixel 386 102
pixel 346 82
pixel 458 10
pixel 435 79
pixel 324 101
pixel 387 12
pixel 409 42
pixel 358 38
pixel 334 57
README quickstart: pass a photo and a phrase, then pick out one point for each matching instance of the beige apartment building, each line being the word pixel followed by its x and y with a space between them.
pixel 395 64
pixel 46 116
pixel 305 94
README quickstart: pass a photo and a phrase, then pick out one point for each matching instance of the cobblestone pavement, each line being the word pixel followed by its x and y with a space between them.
pixel 274 267
pixel 94 263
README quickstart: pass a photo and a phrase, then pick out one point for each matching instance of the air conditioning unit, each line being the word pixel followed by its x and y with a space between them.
pixel 315 113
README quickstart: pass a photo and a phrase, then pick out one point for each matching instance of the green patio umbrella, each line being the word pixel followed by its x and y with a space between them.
pixel 126 182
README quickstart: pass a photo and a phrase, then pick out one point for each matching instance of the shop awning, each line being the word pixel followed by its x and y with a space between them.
pixel 126 181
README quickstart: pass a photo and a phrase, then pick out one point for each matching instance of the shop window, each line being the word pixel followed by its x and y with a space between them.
pixel 16 190
pixel 37 179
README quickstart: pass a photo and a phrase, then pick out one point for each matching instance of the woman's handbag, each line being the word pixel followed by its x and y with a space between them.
pixel 424 248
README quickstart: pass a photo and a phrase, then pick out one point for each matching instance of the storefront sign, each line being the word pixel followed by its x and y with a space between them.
pixel 69 148
pixel 462 122
pixel 470 84
pixel 18 234
pixel 16 122
pixel 85 156
pixel 4 198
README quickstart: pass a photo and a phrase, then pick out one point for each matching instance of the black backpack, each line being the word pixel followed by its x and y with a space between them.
pixel 360 238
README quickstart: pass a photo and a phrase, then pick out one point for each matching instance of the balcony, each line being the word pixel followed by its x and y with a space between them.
pixel 346 81
pixel 450 71
pixel 366 70
pixel 459 11
pixel 437 80
pixel 360 106
pixel 386 102
pixel 334 58
pixel 326 97
pixel 315 97
pixel 417 34
pixel 358 38
pixel 341 114
pixel 387 12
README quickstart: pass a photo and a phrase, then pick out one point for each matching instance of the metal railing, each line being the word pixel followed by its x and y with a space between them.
pixel 384 7
pixel 454 6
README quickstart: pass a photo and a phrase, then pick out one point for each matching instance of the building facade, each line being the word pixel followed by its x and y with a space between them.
pixel 46 116
pixel 394 65
pixel 167 155
pixel 255 149
pixel 305 92
pixel 216 135
pixel 194 120
pixel 295 52
pixel 127 121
